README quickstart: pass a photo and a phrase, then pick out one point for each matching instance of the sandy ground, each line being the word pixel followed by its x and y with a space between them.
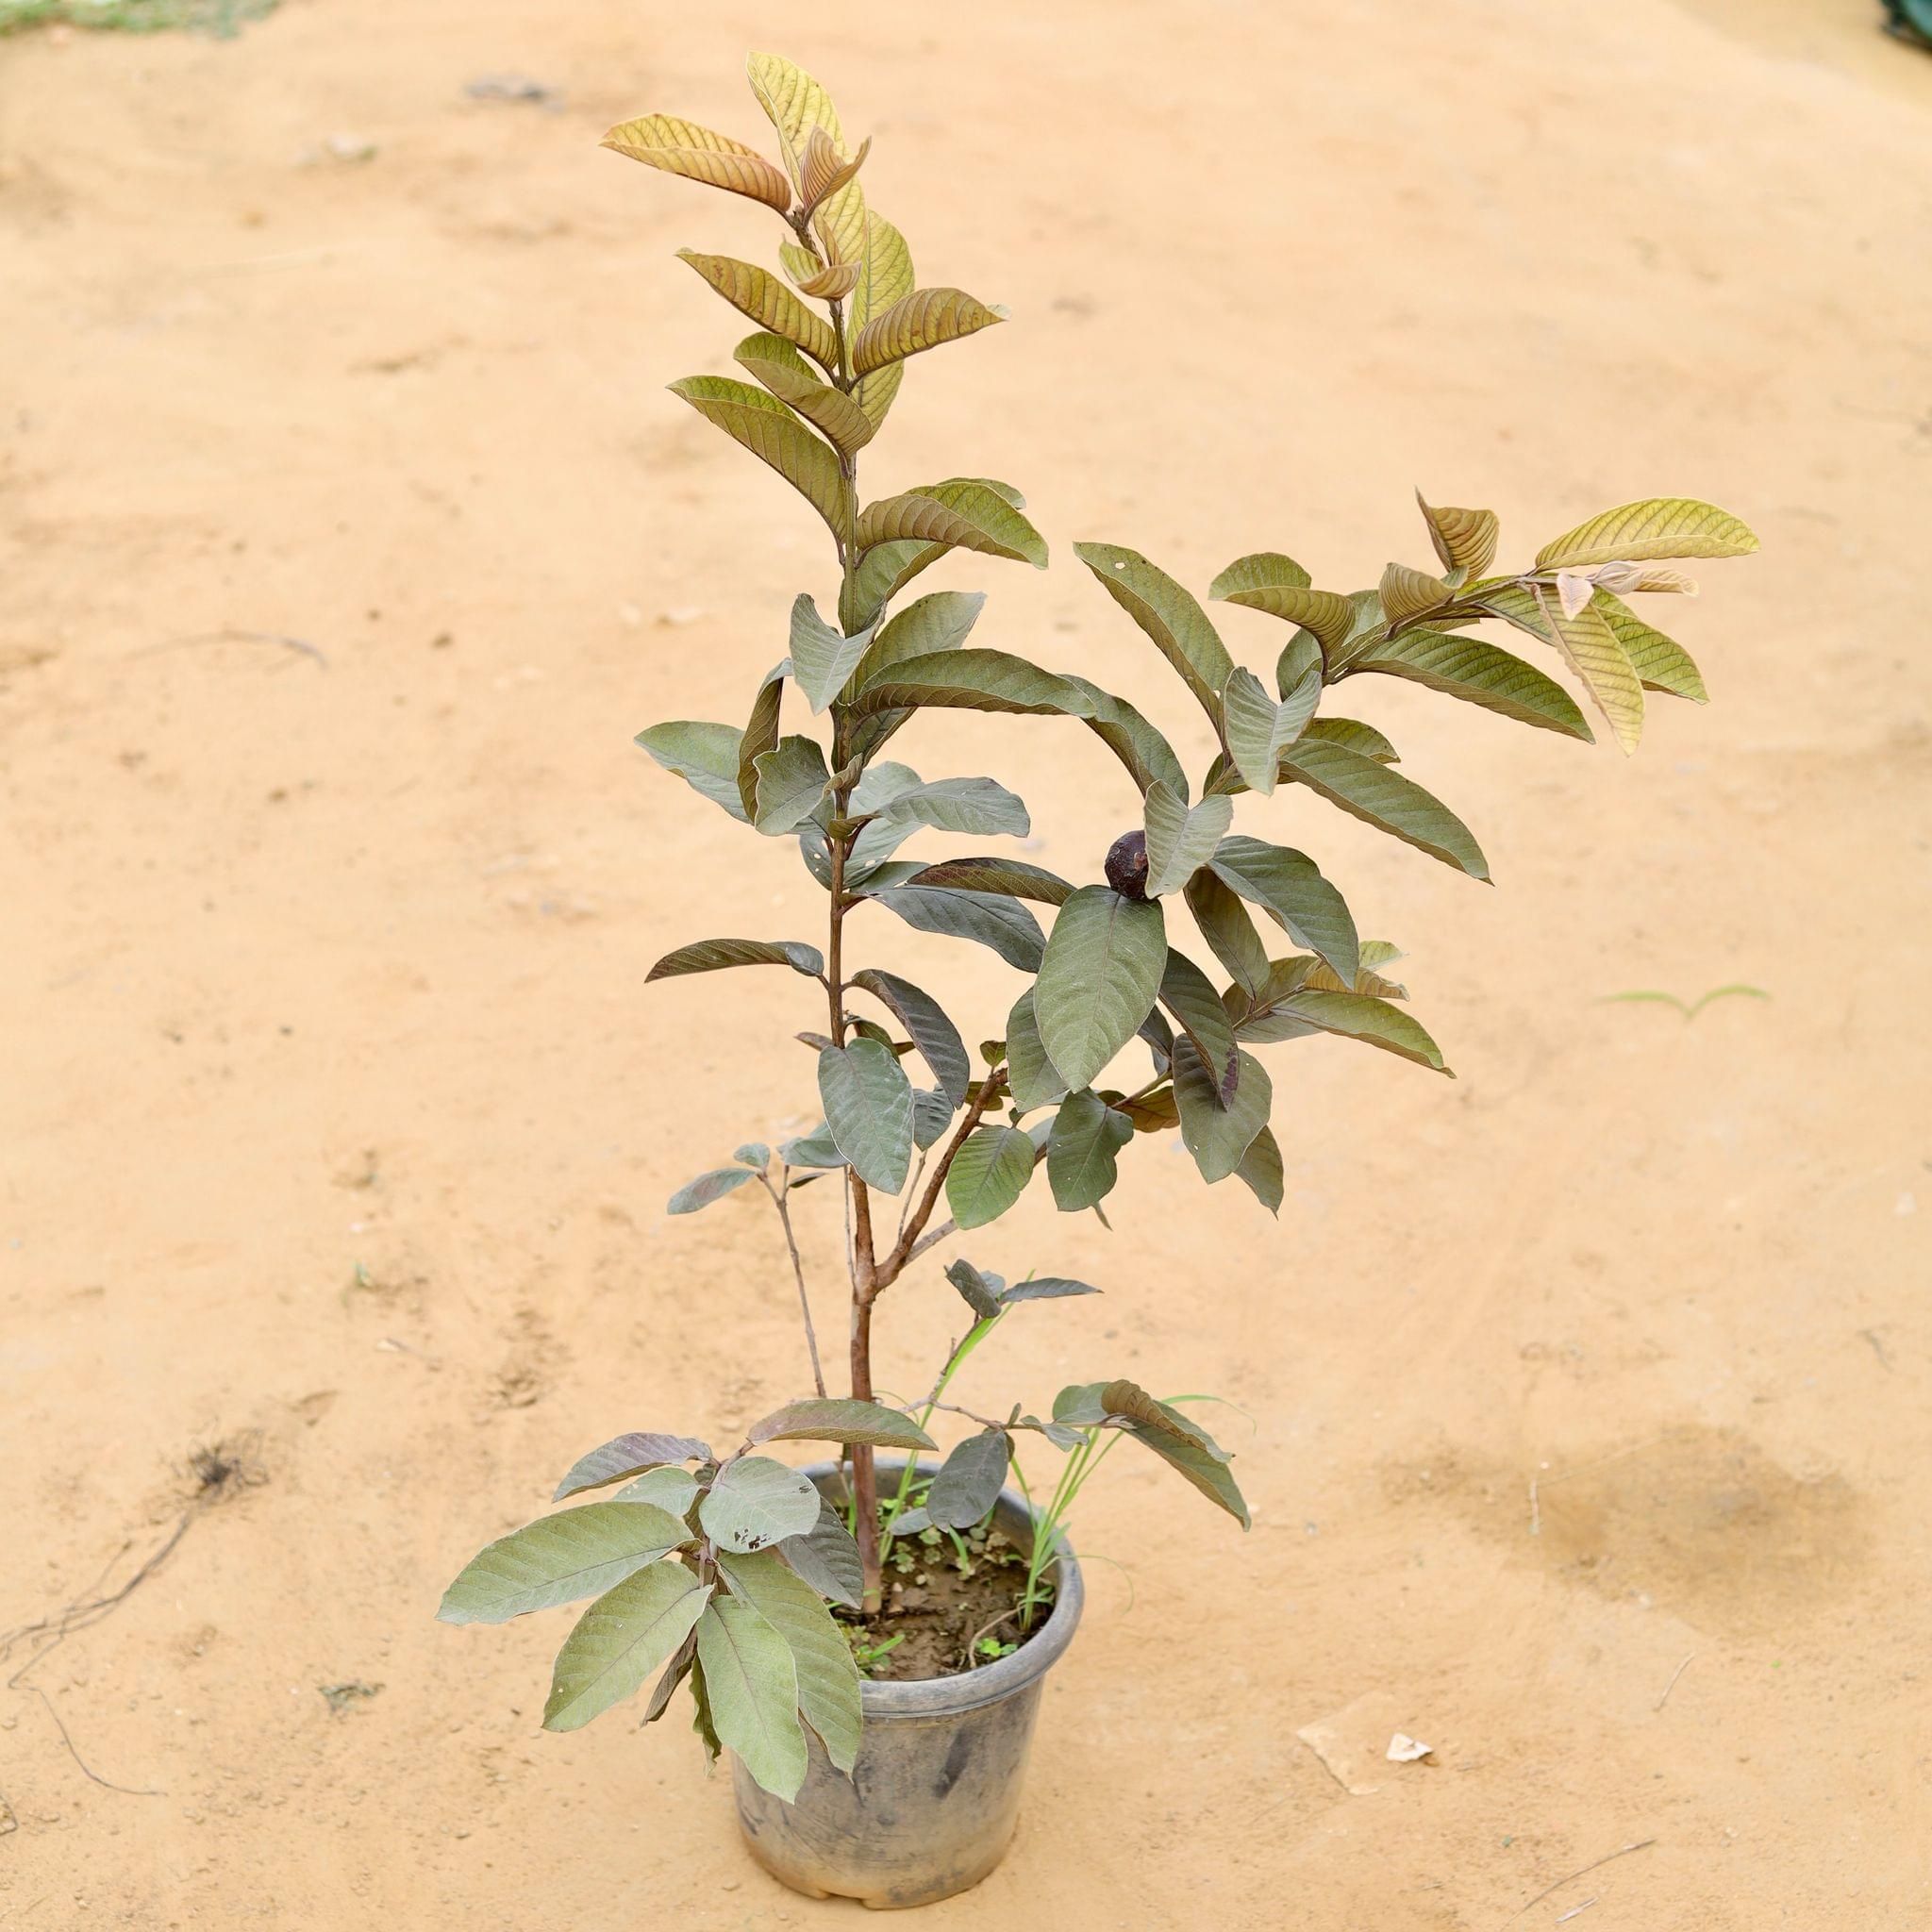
pixel 337 1122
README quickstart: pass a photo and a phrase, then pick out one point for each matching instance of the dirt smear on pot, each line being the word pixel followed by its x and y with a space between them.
pixel 348 535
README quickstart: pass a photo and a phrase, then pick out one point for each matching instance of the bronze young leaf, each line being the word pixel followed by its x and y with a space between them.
pixel 682 147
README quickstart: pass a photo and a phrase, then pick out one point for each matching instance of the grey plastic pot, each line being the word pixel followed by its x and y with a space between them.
pixel 931 1804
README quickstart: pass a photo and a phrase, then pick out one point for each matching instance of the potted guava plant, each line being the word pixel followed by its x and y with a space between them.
pixel 867 1637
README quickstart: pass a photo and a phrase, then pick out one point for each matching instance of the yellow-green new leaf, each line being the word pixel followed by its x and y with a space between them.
pixel 824 282
pixel 772 434
pixel 778 365
pixel 1518 603
pixel 1373 793
pixel 796 105
pixel 1256 574
pixel 620 1641
pixel 885 277
pixel 1367 625
pixel 1590 648
pixel 759 293
pixel 1467 668
pixel 1465 539
pixel 751 1688
pixel 1661 663
pixel 1374 953
pixel 1407 594
pixel 1355 1017
pixel 682 147
pixel 1169 614
pixel 828 1677
pixel 884 570
pixel 825 169
pixel 920 320
pixel 1279 585
pixel 965 513
pixel 1659 527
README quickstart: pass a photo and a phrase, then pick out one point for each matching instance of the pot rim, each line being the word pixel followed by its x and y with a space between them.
pixel 1007 1676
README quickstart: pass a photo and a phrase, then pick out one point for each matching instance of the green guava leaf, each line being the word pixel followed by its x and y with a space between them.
pixel 704 756
pixel 988 1174
pixel 1098 980
pixel 751 1694
pixel 840 1419
pixel 713 956
pixel 970 1480
pixel 868 1103
pixel 1169 615
pixel 1288 887
pixel 628 1455
pixel 559 1559
pixel 755 1501
pixel 620 1641
pixel 825 1673
pixel 1380 797
pixel 1082 1156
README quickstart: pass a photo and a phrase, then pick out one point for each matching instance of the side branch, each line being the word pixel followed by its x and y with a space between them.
pixel 908 1242
pixel 781 1202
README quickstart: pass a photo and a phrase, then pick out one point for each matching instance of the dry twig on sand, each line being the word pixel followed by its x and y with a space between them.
pixel 1621 1852
pixel 1675 1675
pixel 217 1472
pixel 238 637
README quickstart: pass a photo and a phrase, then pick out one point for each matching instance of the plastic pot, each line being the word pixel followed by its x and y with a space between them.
pixel 931 1804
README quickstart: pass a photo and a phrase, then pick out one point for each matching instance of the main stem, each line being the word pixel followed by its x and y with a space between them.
pixel 861 1259
pixel 870 1272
